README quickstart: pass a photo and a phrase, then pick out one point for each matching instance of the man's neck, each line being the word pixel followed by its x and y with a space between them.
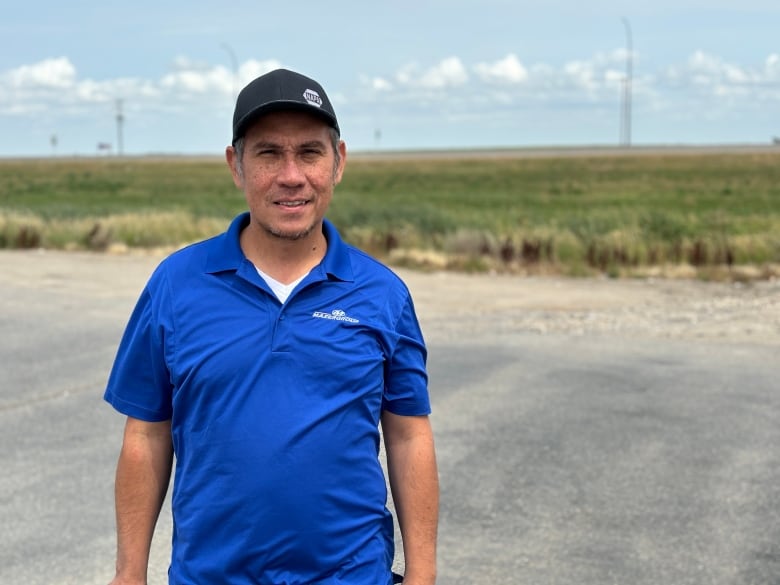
pixel 283 259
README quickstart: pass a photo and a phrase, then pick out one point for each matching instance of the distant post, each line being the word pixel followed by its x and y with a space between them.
pixel 120 119
pixel 625 118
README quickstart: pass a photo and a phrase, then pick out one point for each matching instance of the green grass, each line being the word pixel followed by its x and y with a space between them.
pixel 613 214
pixel 75 189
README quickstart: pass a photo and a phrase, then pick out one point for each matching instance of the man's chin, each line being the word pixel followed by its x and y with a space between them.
pixel 289 234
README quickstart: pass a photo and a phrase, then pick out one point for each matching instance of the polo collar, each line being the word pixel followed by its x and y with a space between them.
pixel 225 253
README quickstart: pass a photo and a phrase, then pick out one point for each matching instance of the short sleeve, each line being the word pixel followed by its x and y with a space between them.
pixel 406 377
pixel 140 384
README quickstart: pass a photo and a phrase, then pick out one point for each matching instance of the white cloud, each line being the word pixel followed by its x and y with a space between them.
pixel 91 91
pixel 448 73
pixel 613 77
pixel 182 63
pixel 596 82
pixel 772 67
pixel 706 76
pixel 506 70
pixel 581 74
pixel 52 73
pixel 216 80
pixel 708 70
pixel 251 69
pixel 380 84
pixel 54 84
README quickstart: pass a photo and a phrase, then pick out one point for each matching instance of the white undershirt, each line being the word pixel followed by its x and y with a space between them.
pixel 282 291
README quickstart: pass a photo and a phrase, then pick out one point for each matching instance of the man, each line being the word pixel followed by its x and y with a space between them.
pixel 263 361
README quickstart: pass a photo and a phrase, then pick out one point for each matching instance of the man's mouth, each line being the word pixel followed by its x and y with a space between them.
pixel 291 203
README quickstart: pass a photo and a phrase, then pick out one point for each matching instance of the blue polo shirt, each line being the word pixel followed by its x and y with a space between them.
pixel 274 410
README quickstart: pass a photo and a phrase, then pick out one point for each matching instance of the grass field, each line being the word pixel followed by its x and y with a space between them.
pixel 714 215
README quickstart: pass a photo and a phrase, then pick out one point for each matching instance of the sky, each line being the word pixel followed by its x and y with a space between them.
pixel 423 74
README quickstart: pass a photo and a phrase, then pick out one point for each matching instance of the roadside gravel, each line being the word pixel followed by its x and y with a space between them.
pixel 452 305
pixel 456 304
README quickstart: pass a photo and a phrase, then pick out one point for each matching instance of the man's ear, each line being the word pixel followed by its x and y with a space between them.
pixel 231 156
pixel 342 162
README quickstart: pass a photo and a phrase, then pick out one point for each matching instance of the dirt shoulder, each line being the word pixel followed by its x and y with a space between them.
pixel 451 305
pixel 660 308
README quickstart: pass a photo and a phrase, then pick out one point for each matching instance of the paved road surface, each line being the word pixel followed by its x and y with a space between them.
pixel 588 432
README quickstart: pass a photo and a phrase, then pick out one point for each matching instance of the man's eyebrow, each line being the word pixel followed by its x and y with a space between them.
pixel 264 144
pixel 270 145
pixel 312 144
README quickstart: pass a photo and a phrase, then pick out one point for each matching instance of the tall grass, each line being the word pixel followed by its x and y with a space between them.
pixel 613 214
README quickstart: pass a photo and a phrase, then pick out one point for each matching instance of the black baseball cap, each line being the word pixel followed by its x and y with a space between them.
pixel 281 90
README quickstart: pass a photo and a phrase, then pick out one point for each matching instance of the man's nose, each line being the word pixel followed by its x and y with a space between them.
pixel 290 171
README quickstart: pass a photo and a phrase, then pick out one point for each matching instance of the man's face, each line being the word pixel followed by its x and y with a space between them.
pixel 288 173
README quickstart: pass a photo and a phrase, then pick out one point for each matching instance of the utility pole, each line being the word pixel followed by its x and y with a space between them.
pixel 120 119
pixel 625 119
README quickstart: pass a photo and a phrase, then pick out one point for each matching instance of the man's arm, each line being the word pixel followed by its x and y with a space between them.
pixel 414 481
pixel 142 476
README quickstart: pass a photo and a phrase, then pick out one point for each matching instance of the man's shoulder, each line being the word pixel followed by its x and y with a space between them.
pixel 196 251
pixel 189 260
pixel 214 254
pixel 367 268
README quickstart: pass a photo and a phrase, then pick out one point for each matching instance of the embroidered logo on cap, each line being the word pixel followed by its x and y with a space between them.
pixel 312 97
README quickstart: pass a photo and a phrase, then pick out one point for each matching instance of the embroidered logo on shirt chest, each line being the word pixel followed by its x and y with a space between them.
pixel 335 315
